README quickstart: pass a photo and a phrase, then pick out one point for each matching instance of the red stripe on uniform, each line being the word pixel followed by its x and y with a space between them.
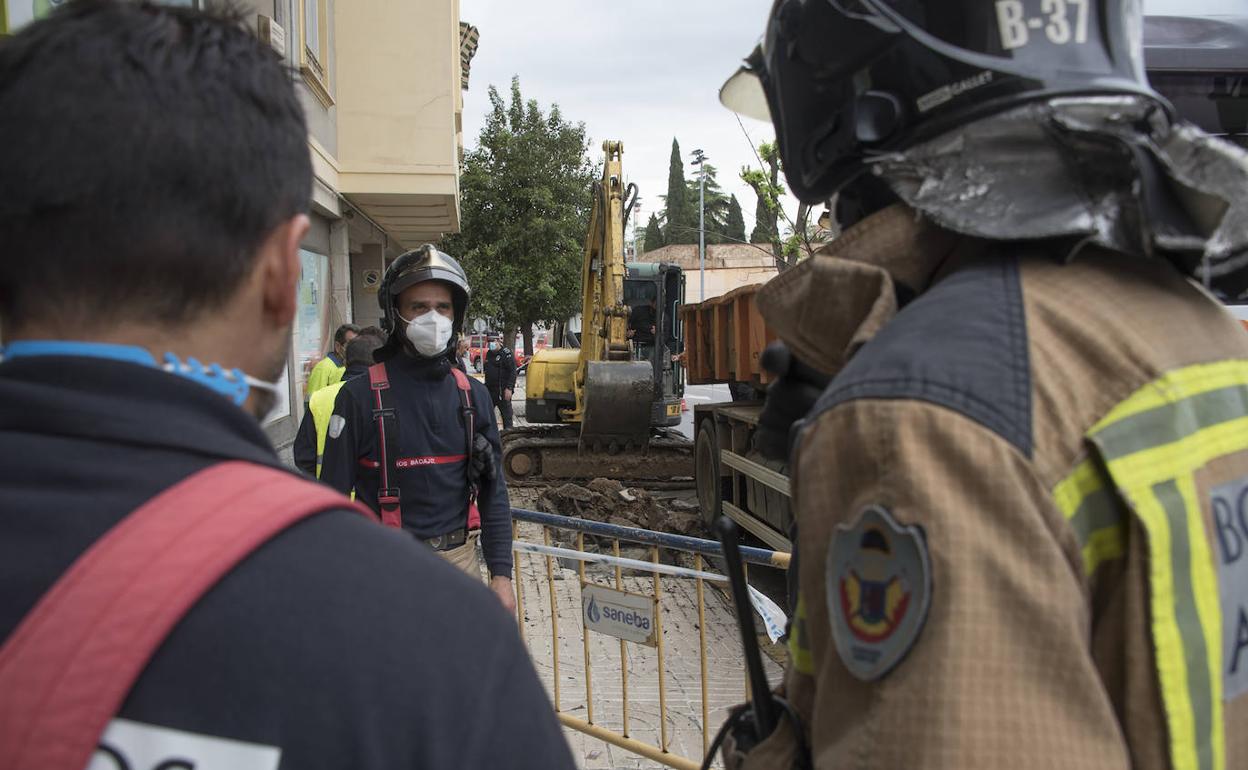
pixel 416 462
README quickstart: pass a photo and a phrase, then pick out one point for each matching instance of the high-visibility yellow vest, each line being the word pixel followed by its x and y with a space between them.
pixel 324 374
pixel 322 407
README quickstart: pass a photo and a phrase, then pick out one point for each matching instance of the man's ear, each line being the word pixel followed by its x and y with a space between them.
pixel 280 268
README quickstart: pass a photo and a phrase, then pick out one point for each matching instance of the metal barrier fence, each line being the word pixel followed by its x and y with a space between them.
pixel 618 608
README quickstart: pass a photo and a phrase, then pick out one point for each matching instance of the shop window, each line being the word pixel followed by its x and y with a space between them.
pixel 310 336
pixel 314 20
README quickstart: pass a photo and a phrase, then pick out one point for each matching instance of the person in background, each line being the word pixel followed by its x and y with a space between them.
pixel 641 328
pixel 330 369
pixel 416 440
pixel 310 440
pixel 500 379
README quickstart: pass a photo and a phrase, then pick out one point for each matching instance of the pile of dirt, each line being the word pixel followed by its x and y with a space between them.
pixel 609 501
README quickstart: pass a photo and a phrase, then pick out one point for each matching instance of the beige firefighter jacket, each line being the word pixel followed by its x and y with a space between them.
pixel 1022 509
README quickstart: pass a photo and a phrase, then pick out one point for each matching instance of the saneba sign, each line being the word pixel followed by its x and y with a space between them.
pixel 618 613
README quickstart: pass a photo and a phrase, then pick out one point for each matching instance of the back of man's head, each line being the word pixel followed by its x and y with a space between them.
pixel 147 152
pixel 360 350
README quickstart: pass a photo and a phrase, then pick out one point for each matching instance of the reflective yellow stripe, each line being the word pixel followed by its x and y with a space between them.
pixel 799 641
pixel 1204 582
pixel 1095 514
pixel 1176 386
pixel 1153 444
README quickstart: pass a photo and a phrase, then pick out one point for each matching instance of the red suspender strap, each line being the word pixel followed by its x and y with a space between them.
pixel 387 447
pixel 465 402
pixel 67 668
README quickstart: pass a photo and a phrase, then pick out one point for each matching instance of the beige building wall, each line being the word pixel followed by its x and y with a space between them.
pixel 384 111
pixel 728 266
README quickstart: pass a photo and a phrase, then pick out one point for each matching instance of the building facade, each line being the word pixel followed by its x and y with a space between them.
pixel 728 266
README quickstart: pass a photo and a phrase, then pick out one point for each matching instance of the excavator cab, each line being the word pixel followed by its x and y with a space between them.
pixel 661 286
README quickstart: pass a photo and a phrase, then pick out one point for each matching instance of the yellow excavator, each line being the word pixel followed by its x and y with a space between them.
pixel 598 404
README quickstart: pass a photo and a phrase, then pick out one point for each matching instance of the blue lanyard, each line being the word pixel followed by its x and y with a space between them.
pixel 231 384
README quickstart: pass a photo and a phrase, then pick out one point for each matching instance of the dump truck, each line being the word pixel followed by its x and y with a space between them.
pixel 724 342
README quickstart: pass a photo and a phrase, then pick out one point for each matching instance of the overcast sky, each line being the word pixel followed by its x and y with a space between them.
pixel 641 71
pixel 644 71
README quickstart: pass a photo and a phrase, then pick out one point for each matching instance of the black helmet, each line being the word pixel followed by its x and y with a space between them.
pixel 417 266
pixel 1200 64
pixel 848 79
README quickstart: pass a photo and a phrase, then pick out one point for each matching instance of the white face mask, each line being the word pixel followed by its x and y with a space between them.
pixel 429 333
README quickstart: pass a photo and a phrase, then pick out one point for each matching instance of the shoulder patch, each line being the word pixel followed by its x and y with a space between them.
pixel 879 589
pixel 336 425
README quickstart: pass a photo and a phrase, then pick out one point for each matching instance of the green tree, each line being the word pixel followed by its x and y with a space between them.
pixel 680 218
pixel 653 237
pixel 734 230
pixel 766 185
pixel 525 199
pixel 715 202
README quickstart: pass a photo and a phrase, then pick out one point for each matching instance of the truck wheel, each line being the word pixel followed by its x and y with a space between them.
pixel 707 474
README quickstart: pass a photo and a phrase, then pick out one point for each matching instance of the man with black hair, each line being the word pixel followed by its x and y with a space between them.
pixel 310 440
pixel 156 176
pixel 332 367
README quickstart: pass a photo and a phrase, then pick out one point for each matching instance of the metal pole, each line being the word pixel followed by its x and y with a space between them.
pixel 701 228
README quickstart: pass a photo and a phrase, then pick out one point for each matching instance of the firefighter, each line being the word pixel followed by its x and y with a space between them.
pixel 1021 499
pixel 415 438
pixel 500 379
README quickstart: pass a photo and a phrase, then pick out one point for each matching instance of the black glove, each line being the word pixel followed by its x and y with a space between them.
pixel 483 466
pixel 789 399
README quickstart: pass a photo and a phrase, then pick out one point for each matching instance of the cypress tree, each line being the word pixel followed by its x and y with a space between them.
pixel 681 228
pixel 735 224
pixel 653 237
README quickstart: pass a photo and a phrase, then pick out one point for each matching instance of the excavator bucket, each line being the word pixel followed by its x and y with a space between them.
pixel 618 398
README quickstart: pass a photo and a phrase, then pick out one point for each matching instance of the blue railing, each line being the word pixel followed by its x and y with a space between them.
pixel 649 537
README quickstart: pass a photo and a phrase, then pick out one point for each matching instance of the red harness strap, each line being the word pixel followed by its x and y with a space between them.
pixel 465 402
pixel 69 665
pixel 387 447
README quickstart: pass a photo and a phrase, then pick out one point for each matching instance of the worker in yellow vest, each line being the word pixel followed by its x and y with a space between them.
pixel 331 368
pixel 310 441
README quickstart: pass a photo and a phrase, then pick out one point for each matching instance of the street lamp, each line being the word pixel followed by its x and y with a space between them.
pixel 699 158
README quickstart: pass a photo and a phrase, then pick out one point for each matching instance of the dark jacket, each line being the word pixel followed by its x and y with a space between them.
pixel 433 493
pixel 642 321
pixel 321 644
pixel 500 371
pixel 304 448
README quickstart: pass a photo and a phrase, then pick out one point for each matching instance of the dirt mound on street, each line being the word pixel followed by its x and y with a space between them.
pixel 608 501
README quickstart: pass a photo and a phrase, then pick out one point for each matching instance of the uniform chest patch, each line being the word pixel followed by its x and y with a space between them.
pixel 879 587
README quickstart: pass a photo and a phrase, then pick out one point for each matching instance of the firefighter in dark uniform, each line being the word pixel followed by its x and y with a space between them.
pixel 500 378
pixel 1020 500
pixel 416 439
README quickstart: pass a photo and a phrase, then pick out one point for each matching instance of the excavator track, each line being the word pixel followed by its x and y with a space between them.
pixel 539 455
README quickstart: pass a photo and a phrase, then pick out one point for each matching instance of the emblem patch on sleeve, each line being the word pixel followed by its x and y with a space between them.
pixel 336 424
pixel 879 588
